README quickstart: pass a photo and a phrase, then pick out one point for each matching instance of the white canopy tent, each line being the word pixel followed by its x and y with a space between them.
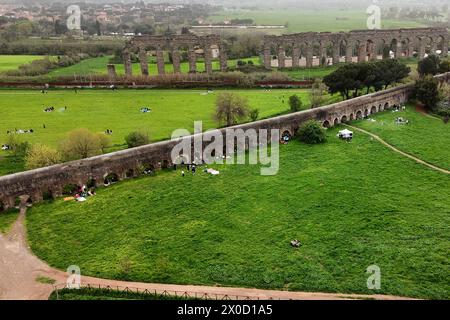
pixel 345 134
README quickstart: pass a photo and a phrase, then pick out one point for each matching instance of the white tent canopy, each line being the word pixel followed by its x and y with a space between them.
pixel 345 134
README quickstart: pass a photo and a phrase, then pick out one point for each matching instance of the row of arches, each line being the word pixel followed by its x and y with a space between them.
pixel 359 114
pixel 175 55
pixel 285 53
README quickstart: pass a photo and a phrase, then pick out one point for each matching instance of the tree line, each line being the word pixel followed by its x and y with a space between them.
pixel 351 79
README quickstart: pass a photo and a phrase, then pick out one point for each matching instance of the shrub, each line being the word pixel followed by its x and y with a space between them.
pixel 312 132
pixel 69 189
pixel 41 156
pixel 82 143
pixel 254 114
pixel 295 103
pixel 137 138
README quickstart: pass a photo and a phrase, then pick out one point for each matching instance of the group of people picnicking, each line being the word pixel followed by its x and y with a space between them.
pixel 82 193
pixel 193 169
pixel 20 131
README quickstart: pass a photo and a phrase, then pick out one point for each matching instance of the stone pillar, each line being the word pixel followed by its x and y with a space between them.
pixel 322 53
pixel 309 55
pixel 349 53
pixel 207 55
pixel 127 63
pixel 9 203
pixel 433 47
pixel 281 57
pixel 296 56
pixel 176 60
pixel 160 61
pixel 336 53
pixel 445 46
pixel 112 74
pixel 223 58
pixel 422 48
pixel 362 53
pixel 398 50
pixel 410 49
pixel 143 62
pixel 372 50
pixel 192 60
pixel 267 57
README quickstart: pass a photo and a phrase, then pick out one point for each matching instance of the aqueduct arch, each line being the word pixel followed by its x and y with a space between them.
pixel 172 46
pixel 359 45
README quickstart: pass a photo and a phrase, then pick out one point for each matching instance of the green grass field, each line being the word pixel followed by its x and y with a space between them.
pixel 425 138
pixel 12 62
pixel 99 110
pixel 298 20
pixel 351 205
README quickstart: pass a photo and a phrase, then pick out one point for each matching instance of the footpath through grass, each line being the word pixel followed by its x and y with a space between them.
pixel 351 205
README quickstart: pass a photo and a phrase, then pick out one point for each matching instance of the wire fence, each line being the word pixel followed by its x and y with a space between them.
pixel 177 294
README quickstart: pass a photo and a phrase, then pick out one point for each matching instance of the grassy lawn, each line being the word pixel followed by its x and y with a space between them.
pixel 98 66
pixel 11 62
pixel 99 110
pixel 351 205
pixel 424 137
pixel 7 219
pixel 299 20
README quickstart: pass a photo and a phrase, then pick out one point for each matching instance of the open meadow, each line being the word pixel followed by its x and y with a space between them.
pixel 351 205
pixel 298 20
pixel 12 62
pixel 100 110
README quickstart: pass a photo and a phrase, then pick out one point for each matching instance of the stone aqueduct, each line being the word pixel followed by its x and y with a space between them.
pixel 130 163
pixel 302 49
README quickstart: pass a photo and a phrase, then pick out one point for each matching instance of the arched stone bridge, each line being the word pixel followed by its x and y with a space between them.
pixel 319 48
pixel 133 162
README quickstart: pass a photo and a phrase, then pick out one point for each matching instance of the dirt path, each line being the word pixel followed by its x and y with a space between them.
pixel 19 269
pixel 399 151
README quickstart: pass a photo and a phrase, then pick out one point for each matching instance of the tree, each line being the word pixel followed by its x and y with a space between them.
pixel 311 132
pixel 254 114
pixel 429 65
pixel 444 66
pixel 82 143
pixel 137 138
pixel 317 93
pixel 295 103
pixel 40 156
pixel 230 108
pixel 356 76
pixel 426 90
